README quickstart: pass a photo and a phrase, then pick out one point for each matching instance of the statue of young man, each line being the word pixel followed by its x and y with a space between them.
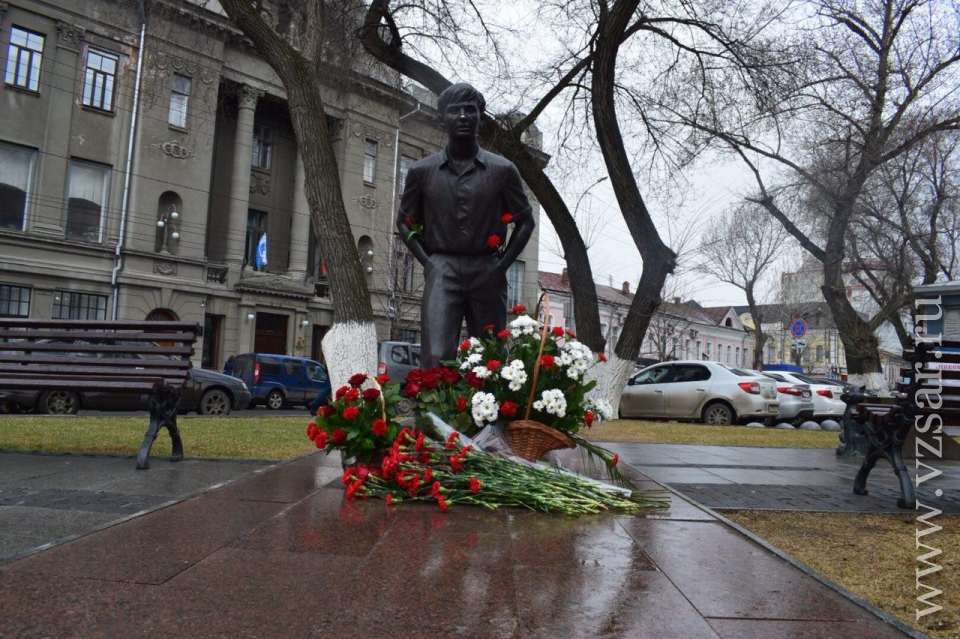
pixel 453 217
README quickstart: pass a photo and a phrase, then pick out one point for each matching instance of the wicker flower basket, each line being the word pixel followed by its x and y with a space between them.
pixel 529 439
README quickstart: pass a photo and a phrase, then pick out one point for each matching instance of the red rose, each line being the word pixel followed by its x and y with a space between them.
pixel 379 428
pixel 557 331
pixel 588 418
pixel 341 392
pixel 321 439
pixel 475 485
pixel 518 309
pixel 370 394
pixel 492 365
pixel 358 379
pixel 571 335
pixel 349 413
pixel 415 375
pixel 488 327
pixel 352 395
pixel 412 389
pixel 449 376
pixel 465 345
pixel 326 410
pixel 461 404
pixel 339 435
pixel 383 379
pixel 506 218
pixel 504 334
pixel 509 409
pixel 312 431
pixel 547 361
pixel 493 241
pixel 602 357
pixel 473 380
pixel 431 378
pixel 615 460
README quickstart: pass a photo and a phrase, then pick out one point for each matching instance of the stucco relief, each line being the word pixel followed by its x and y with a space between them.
pixel 366 201
pixel 259 184
pixel 68 35
pixel 165 268
pixel 163 62
pixel 249 97
pixel 360 130
pixel 174 149
pixel 4 5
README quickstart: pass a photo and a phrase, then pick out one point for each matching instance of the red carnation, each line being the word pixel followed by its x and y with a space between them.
pixel 383 379
pixel 456 463
pixel 461 404
pixel 602 357
pixel 348 475
pixel 488 327
pixel 509 409
pixel 321 439
pixel 615 460
pixel 465 345
pixel 518 309
pixel 350 412
pixel 557 331
pixel 326 410
pixel 435 489
pixel 588 418
pixel 571 335
pixel 492 365
pixel 412 389
pixel 431 378
pixel 473 380
pixel 339 435
pixel 389 499
pixel 427 475
pixel 442 503
pixel 371 394
pixel 352 395
pixel 341 392
pixel 449 376
pixel 475 485
pixel 379 428
pixel 547 361
pixel 493 241
pixel 506 218
pixel 504 334
pixel 358 379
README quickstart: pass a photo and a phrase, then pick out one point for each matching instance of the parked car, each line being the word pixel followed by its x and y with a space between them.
pixel 396 359
pixel 699 390
pixel 826 397
pixel 276 380
pixel 796 401
pixel 842 385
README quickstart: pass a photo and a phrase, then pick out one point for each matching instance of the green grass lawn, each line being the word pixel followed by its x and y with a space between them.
pixel 625 430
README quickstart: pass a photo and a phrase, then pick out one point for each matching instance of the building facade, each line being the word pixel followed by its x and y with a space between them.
pixel 153 172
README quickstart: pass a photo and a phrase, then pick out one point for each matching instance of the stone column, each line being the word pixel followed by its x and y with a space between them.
pixel 300 238
pixel 240 180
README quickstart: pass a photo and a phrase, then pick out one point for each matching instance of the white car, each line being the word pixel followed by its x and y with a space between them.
pixel 699 390
pixel 826 398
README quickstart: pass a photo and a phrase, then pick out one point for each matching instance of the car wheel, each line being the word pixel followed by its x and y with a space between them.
pixel 718 415
pixel 59 403
pixel 214 402
pixel 274 400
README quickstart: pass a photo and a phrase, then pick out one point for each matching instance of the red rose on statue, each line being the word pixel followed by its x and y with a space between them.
pixel 493 241
pixel 506 218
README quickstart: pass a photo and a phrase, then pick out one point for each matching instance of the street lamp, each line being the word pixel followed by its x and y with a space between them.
pixel 168 228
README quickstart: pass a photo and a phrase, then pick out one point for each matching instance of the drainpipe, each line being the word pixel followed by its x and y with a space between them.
pixel 391 302
pixel 126 179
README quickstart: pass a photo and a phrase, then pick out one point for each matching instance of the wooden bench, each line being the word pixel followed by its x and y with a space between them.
pixel 912 420
pixel 76 356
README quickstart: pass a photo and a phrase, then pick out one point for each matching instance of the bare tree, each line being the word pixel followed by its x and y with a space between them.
pixel 739 250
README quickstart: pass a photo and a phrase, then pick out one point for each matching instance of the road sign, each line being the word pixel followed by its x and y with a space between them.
pixel 798 328
pixel 798 344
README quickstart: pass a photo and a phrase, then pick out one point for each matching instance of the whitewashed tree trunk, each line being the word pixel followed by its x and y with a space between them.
pixel 611 377
pixel 348 348
pixel 873 381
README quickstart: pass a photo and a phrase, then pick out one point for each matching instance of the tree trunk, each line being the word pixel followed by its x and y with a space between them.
pixel 350 345
pixel 758 335
pixel 860 343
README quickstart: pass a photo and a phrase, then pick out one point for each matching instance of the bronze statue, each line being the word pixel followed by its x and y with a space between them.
pixel 453 217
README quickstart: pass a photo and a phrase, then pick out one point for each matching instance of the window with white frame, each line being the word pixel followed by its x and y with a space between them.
pixel 262 146
pixel 370 148
pixel 771 354
pixel 88 190
pixel 256 228
pixel 737 356
pixel 405 163
pixel 73 305
pixel 99 79
pixel 728 355
pixel 14 301
pixel 719 352
pixel 686 350
pixel 699 349
pixel 709 349
pixel 746 359
pixel 819 352
pixel 515 279
pixel 16 180
pixel 603 330
pixel 24 54
pixel 614 337
pixel 179 101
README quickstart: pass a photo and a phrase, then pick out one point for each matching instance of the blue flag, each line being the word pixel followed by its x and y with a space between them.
pixel 262 251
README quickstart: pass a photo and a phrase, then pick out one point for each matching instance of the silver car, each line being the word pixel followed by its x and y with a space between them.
pixel 796 402
pixel 826 398
pixel 699 390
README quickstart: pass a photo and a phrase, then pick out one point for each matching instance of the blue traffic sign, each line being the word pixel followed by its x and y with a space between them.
pixel 798 327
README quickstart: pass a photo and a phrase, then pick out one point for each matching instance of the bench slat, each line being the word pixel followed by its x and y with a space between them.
pixel 98 325
pixel 112 384
pixel 39 370
pixel 112 336
pixel 134 349
pixel 159 362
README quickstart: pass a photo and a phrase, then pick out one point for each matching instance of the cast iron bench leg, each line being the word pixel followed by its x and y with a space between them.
pixel 163 414
pixel 860 482
pixel 907 497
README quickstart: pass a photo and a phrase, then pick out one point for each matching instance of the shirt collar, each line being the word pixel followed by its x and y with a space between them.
pixel 480 158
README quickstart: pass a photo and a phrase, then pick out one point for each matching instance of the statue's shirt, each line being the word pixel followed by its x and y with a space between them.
pixel 460 212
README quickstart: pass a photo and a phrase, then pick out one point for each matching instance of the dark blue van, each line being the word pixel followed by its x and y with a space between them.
pixel 276 380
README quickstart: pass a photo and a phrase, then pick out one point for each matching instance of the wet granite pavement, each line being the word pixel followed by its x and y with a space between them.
pixel 281 552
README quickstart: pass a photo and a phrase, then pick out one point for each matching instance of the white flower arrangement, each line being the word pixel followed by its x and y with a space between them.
pixel 484 408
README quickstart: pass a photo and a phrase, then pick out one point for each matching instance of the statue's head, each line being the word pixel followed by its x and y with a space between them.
pixel 461 107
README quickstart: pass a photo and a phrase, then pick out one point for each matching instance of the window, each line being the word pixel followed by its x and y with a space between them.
pixel 771 354
pixel 370 161
pixel 728 354
pixel 689 373
pixel 316 373
pixel 405 163
pixel 262 147
pixel 293 368
pixel 71 305
pixel 16 178
pixel 699 349
pixel 256 228
pixel 737 360
pixel 87 194
pixel 614 337
pixel 179 98
pixel 603 330
pixel 819 352
pixel 746 359
pixel 686 350
pixel 399 355
pixel 99 79
pixel 269 366
pixel 515 278
pixel 709 350
pixel 14 301
pixel 656 375
pixel 23 59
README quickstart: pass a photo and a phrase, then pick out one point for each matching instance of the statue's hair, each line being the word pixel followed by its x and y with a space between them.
pixel 460 92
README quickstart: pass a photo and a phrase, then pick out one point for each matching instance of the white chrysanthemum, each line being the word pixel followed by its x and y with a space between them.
pixel 573 373
pixel 554 402
pixel 565 359
pixel 515 385
pixel 482 372
pixel 538 406
pixel 475 358
pixel 517 364
pixel 508 373
pixel 484 408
